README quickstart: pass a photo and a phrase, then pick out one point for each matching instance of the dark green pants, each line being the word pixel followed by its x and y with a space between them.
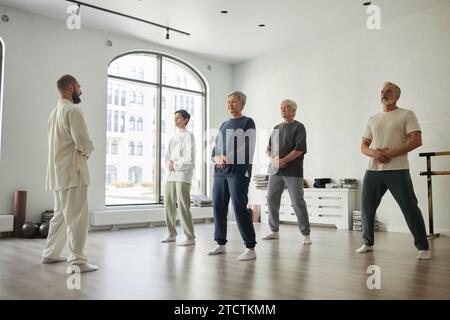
pixel 399 183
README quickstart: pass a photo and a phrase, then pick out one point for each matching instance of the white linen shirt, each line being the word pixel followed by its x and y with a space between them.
pixel 181 151
pixel 69 147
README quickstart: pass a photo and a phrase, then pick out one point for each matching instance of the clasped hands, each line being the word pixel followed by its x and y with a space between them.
pixel 384 155
pixel 220 161
pixel 279 163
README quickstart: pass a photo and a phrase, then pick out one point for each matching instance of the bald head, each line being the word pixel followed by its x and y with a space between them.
pixel 69 88
pixel 65 81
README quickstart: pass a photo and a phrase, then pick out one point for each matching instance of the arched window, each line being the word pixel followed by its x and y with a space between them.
pixel 155 85
pixel 132 97
pixel 131 148
pixel 133 72
pixel 140 124
pixel 132 124
pixel 114 69
pixel 111 175
pixel 116 95
pixel 139 149
pixel 135 175
pixel 109 120
pixel 140 74
pixel 140 98
pixel 110 93
pixel 123 95
pixel 114 147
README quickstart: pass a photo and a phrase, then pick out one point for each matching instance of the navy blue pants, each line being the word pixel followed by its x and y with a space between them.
pixel 236 188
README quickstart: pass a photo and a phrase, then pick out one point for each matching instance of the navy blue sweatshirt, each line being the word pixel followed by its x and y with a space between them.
pixel 236 140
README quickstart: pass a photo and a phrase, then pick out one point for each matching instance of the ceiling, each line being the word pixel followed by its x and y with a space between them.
pixel 234 37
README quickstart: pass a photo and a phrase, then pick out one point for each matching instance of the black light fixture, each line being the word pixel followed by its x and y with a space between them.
pixel 262 25
pixel 368 3
pixel 224 11
pixel 79 3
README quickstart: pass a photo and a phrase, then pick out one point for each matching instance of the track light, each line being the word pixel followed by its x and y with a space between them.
pixel 78 11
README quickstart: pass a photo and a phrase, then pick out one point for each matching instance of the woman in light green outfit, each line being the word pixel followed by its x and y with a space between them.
pixel 180 160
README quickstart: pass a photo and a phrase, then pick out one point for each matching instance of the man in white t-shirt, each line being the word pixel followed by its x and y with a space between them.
pixel 388 138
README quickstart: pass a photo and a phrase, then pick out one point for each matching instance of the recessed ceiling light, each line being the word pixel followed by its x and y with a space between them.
pixel 368 3
pixel 261 25
pixel 224 11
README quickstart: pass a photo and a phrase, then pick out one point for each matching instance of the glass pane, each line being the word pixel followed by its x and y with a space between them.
pixel 178 75
pixel 130 165
pixel 193 104
pixel 135 66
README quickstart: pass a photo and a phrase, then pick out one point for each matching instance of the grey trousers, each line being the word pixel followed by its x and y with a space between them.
pixel 399 183
pixel 178 194
pixel 295 189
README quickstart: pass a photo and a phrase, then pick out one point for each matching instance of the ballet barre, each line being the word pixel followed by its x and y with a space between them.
pixel 429 174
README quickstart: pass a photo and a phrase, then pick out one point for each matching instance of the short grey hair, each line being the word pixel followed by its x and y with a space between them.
pixel 396 87
pixel 290 103
pixel 241 96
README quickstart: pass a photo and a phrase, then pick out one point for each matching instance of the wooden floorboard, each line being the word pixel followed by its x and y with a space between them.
pixel 135 265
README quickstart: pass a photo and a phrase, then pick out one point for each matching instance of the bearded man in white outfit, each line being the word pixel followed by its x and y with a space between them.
pixel 69 148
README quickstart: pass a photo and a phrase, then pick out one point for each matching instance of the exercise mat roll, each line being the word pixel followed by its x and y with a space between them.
pixel 19 211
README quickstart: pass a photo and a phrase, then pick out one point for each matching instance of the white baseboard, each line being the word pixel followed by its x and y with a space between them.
pixel 118 217
pixel 6 222
pixel 404 229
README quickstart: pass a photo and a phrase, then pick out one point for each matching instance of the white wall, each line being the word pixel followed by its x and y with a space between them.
pixel 38 51
pixel 336 82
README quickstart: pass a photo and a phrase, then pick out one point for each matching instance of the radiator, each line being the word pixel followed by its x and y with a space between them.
pixel 115 217
pixel 6 222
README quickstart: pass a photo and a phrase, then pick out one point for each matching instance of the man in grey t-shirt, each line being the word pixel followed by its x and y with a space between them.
pixel 286 149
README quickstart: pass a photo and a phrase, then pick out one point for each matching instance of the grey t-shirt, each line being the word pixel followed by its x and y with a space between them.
pixel 285 138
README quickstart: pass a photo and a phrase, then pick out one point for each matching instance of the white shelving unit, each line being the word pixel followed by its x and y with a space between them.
pixel 325 206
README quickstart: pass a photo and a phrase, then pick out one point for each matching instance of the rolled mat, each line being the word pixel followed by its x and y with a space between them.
pixel 19 211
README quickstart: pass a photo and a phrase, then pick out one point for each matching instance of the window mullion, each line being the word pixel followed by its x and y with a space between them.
pixel 158 130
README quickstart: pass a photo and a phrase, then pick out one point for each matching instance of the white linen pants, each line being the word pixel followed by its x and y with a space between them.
pixel 70 220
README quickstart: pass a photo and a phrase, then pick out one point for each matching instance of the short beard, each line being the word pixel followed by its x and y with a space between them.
pixel 387 102
pixel 76 98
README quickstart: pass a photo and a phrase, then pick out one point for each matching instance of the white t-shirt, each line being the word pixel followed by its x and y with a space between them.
pixel 390 130
pixel 181 151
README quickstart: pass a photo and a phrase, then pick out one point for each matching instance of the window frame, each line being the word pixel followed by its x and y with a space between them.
pixel 159 86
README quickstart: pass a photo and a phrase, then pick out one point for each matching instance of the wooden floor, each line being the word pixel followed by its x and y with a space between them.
pixel 134 265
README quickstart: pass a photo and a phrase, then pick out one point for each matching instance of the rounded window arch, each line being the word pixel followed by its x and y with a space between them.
pixel 140 124
pixel 135 175
pixel 132 123
pixel 155 83
pixel 114 147
pixel 111 175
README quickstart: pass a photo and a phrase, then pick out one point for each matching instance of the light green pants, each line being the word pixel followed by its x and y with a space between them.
pixel 178 193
